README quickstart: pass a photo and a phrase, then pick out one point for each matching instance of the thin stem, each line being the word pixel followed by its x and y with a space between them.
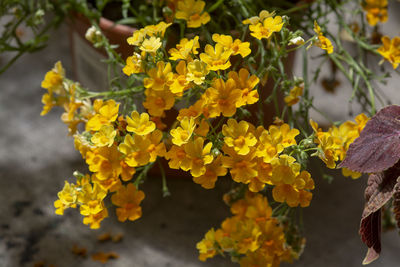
pixel 165 189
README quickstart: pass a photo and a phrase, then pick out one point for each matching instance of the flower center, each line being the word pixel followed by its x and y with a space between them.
pixel 240 141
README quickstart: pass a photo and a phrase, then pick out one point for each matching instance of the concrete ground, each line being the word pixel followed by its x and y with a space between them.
pixel 36 156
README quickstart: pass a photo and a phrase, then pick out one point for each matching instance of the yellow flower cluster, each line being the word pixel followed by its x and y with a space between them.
pixel 189 152
pixel 251 236
pixel 390 50
pixel 210 89
pixel 334 143
pixel 62 94
pixel 254 157
pixel 376 11
pixel 112 146
pixel 186 68
pixel 53 84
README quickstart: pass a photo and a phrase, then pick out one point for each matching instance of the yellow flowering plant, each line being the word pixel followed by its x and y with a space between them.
pixel 203 80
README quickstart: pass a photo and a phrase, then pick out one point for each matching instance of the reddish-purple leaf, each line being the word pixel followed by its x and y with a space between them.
pixel 370 231
pixel 378 146
pixel 381 187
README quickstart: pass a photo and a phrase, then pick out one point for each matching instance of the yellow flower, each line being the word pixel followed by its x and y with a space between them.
pixel 283 135
pixel 135 150
pixel 323 42
pixel 127 172
pixel 185 49
pixel 104 161
pixel 203 128
pixel 94 220
pixel 239 136
pixel 294 95
pixel 137 37
pixel 248 236
pixel 213 170
pixel 156 147
pixel 206 246
pixel 158 101
pixel 292 196
pixel 133 64
pixel 197 71
pixel 273 142
pixel 264 173
pixel 54 78
pixel 258 258
pixel 175 156
pixel 216 59
pixel 237 46
pixel 48 103
pixel 70 117
pixel 253 206
pixel 268 148
pixel 192 12
pixel 222 98
pixel 194 110
pixel 242 167
pixel 197 157
pixel 334 143
pixel 140 124
pixel 151 45
pixel 376 11
pixel 286 193
pixel 107 113
pixel 105 136
pixel 349 173
pixel 267 27
pixel 82 144
pixel 246 84
pixel 328 146
pixel 91 199
pixel 160 77
pixel 304 181
pixel 157 30
pixel 67 198
pixel 261 17
pixel 180 83
pixel 181 135
pixel 128 199
pixel 390 50
pixel 284 170
pixel 111 184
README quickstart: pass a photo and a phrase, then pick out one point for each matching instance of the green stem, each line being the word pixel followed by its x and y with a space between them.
pixel 164 181
pixel 215 6
pixel 295 9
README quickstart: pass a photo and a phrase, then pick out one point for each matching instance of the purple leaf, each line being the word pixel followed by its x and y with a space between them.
pixel 381 187
pixel 370 231
pixel 378 146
